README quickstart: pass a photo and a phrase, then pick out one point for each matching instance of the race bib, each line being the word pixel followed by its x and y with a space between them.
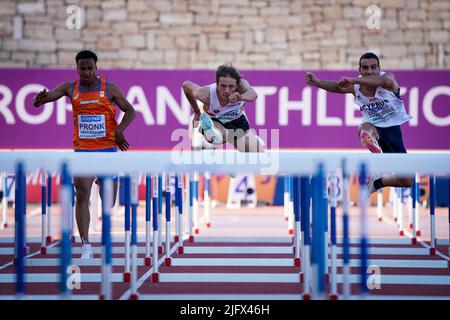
pixel 91 126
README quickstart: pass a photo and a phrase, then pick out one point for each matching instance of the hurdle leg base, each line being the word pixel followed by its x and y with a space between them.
pixel 418 233
pixel 5 226
pixel 43 250
pixel 395 219
pixel 410 225
pixel 133 296
pixel 191 238
pixel 155 277
pixel 160 249
pixel 286 218
pixel 147 262
pixel 432 251
pixel 101 297
pixel 448 264
pixel 414 241
pixel 380 219
pixel 297 262
pixel 291 231
pixel 48 239
pixel 180 250
pixel 126 277
pixel 197 231
pixel 302 277
pixel 168 262
pixel 176 239
pixel 208 225
pixel 306 297
pixel 333 297
pixel 401 233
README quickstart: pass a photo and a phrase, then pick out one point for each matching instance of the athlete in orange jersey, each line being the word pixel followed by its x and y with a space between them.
pixel 96 129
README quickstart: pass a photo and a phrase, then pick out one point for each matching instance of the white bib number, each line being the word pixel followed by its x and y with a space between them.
pixel 91 126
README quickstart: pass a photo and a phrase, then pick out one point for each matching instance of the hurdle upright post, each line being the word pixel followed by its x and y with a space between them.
pixel 44 212
pixel 305 199
pixel 20 228
pixel 286 197
pixel 160 206
pixel 296 194
pixel 66 208
pixel 134 205
pixel 416 215
pixel 195 205
pixel 180 197
pixel 127 205
pixel 346 231
pixel 155 274
pixel 48 239
pixel 415 205
pixel 207 199
pixel 400 211
pixel 363 200
pixel 107 203
pixel 432 215
pixel 167 260
pixel 291 207
pixel 148 187
pixel 333 181
pixel 3 183
pixel 380 204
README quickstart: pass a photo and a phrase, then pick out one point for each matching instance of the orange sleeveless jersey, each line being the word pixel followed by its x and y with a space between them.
pixel 94 118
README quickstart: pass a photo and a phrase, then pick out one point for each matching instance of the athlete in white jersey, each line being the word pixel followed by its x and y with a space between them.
pixel 222 118
pixel 377 94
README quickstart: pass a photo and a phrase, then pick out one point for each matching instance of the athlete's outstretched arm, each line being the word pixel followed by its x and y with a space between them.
pixel 331 86
pixel 118 98
pixel 386 81
pixel 193 91
pixel 48 96
pixel 245 93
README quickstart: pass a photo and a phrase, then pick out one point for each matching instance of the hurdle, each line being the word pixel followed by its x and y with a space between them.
pixel 319 202
pixel 66 255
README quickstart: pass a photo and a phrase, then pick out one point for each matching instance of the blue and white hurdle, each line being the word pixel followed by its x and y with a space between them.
pixel 319 220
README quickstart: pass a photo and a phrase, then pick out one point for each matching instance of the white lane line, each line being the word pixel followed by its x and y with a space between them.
pixel 294 278
pixel 96 250
pixel 202 239
pixel 233 262
pixel 388 251
pixel 419 240
pixel 8 264
pixel 243 249
pixel 55 277
pixel 252 262
pixel 95 262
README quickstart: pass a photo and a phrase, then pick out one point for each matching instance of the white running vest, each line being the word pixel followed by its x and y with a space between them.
pixel 230 112
pixel 383 110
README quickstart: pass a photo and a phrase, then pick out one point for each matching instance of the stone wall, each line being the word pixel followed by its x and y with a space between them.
pixel 266 34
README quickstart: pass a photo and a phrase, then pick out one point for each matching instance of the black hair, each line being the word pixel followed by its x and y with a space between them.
pixel 369 55
pixel 86 54
pixel 227 70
